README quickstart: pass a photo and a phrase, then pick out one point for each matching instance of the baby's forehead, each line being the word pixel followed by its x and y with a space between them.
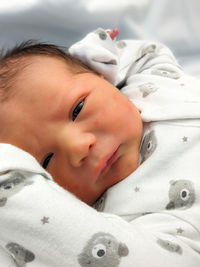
pixel 42 74
pixel 42 64
pixel 44 61
pixel 40 67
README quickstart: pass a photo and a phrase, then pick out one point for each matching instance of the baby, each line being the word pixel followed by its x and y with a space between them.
pixel 90 136
pixel 61 119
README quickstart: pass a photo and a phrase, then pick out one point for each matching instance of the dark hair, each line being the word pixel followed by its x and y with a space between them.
pixel 14 60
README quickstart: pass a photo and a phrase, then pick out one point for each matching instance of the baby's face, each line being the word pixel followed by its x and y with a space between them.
pixel 83 130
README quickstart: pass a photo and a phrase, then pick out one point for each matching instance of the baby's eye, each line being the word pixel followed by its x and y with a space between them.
pixel 77 110
pixel 47 160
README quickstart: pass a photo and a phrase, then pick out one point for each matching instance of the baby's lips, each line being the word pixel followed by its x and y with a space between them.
pixel 113 33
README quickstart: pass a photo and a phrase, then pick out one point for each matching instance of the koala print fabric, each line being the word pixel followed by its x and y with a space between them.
pixel 20 255
pixel 170 246
pixel 102 250
pixel 181 194
pixel 100 203
pixel 14 183
pixel 152 217
pixel 148 145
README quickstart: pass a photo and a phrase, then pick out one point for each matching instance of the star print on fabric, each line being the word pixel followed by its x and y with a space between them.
pixel 137 189
pixel 185 139
pixel 179 230
pixel 45 220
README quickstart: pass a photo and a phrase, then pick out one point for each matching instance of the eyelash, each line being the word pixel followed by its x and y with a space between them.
pixel 47 160
pixel 77 110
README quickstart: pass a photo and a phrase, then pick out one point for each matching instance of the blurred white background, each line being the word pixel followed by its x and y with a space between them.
pixel 176 23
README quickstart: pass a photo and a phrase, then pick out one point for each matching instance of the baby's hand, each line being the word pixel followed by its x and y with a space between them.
pixel 113 33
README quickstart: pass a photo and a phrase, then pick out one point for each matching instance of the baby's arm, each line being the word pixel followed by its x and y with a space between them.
pixel 119 60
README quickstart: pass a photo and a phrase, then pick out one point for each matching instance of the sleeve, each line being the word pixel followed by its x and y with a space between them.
pixel 118 60
pixel 44 225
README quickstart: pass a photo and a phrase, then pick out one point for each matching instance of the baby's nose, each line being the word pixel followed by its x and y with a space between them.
pixel 79 148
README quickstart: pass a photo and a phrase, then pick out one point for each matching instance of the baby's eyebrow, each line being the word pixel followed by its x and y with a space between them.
pixel 58 111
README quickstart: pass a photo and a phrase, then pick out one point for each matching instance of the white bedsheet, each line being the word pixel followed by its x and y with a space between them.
pixel 63 22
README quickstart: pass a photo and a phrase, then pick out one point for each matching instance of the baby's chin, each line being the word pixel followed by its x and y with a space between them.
pixel 119 171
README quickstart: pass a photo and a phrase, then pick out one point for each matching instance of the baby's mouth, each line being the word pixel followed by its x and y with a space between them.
pixel 107 162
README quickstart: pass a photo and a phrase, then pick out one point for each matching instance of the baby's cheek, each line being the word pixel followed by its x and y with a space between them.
pixel 123 102
pixel 128 106
pixel 103 115
pixel 100 119
pixel 96 123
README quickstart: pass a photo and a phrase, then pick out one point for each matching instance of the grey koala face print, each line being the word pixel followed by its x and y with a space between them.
pixel 103 250
pixel 100 203
pixel 167 73
pixel 13 184
pixel 147 89
pixel 102 34
pixel 20 255
pixel 148 146
pixel 121 44
pixel 148 49
pixel 181 194
pixel 170 246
